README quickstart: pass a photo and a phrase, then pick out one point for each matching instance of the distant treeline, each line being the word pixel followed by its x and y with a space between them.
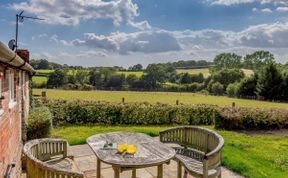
pixel 43 64
pixel 269 81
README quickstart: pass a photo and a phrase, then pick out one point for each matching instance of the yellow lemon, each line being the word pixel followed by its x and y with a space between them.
pixel 122 148
pixel 131 149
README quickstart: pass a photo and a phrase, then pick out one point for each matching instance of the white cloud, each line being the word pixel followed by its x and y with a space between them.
pixel 282 9
pixel 163 45
pixel 257 36
pixel 265 10
pixel 236 2
pixel 43 35
pixel 124 43
pixel 84 54
pixel 71 12
pixel 265 35
pixel 55 38
pixel 144 25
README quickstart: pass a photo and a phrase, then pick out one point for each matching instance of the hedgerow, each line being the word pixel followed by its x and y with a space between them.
pixel 99 112
pixel 96 112
pixel 252 118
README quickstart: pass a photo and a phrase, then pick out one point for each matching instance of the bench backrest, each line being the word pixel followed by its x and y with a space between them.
pixel 201 139
pixel 40 150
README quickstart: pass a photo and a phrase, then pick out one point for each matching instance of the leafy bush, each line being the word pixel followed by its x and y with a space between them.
pixel 39 123
pixel 252 118
pixel 217 88
pixel 94 112
pixel 232 89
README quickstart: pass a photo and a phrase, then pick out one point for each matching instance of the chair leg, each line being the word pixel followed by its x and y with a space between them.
pixel 185 174
pixel 220 174
pixel 179 170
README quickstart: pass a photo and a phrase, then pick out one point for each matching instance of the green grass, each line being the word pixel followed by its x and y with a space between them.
pixel 45 71
pixel 154 97
pixel 251 156
pixel 126 73
pixel 37 80
pixel 204 71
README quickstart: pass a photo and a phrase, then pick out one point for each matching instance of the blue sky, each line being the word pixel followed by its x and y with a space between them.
pixel 127 32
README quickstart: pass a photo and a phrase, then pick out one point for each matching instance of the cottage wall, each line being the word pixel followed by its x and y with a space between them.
pixel 13 113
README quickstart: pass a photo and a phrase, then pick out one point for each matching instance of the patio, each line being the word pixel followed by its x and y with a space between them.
pixel 86 162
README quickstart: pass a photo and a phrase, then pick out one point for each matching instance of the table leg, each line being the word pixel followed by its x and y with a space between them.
pixel 116 172
pixel 98 168
pixel 160 171
pixel 179 170
pixel 133 173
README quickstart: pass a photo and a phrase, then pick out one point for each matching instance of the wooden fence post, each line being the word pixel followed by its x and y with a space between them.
pixel 123 100
pixel 43 94
pixel 177 102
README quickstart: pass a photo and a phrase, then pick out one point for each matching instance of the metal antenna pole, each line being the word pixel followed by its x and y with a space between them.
pixel 20 17
pixel 17 20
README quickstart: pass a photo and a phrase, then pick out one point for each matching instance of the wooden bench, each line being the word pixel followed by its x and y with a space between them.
pixel 198 150
pixel 46 158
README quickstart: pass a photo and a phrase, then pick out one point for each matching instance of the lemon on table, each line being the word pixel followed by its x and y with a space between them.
pixel 131 149
pixel 121 148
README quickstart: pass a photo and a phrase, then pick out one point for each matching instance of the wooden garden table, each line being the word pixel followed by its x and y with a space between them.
pixel 149 152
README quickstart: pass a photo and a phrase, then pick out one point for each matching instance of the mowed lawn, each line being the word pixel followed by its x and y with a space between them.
pixel 250 155
pixel 39 80
pixel 126 73
pixel 204 71
pixel 154 97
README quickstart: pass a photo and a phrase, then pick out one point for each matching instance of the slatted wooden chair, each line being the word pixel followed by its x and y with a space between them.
pixel 198 150
pixel 47 158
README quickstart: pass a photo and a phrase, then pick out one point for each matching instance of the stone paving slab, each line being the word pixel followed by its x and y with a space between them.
pixel 86 161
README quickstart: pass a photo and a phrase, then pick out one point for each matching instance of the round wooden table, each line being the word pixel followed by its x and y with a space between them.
pixel 149 152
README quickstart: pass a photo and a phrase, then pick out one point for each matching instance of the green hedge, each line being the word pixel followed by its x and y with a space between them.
pixel 252 118
pixel 94 112
pixel 39 123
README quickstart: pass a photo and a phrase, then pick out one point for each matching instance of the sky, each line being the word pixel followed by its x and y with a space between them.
pixel 128 32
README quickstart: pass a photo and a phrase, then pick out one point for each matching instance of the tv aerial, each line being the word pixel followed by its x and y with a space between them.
pixel 13 44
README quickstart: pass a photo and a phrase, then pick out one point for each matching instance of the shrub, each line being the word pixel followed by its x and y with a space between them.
pixel 94 112
pixel 232 90
pixel 252 118
pixel 247 86
pixel 217 88
pixel 39 123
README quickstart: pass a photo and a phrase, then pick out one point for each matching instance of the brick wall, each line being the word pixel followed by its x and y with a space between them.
pixel 11 119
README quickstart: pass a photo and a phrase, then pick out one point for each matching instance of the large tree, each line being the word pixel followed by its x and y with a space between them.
pixel 57 79
pixel 227 60
pixel 137 67
pixel 227 76
pixel 269 82
pixel 258 59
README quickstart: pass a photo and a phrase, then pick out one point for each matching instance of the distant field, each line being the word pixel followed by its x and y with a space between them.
pixel 39 80
pixel 45 71
pixel 204 71
pixel 126 73
pixel 154 97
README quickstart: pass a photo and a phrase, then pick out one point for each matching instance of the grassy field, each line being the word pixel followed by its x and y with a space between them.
pixel 251 156
pixel 154 97
pixel 126 73
pixel 205 71
pixel 45 71
pixel 37 80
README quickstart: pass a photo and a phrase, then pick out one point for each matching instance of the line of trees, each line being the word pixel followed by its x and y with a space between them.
pixel 269 81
